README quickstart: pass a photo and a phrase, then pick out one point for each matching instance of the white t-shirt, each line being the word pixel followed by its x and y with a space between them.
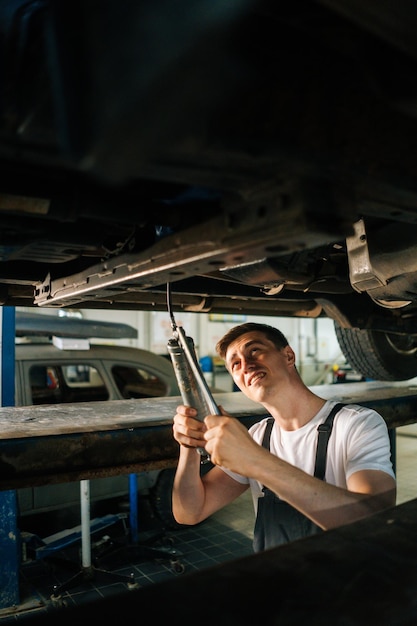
pixel 359 441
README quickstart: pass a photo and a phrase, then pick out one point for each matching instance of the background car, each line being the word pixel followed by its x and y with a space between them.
pixel 82 371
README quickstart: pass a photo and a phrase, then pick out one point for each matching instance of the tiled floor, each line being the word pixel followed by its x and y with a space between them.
pixel 225 536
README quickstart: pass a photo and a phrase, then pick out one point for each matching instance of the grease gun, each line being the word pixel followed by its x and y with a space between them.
pixel 193 386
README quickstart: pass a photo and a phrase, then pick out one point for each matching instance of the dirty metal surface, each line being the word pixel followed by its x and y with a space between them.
pixel 59 443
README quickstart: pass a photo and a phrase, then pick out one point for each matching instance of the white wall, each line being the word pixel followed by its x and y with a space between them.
pixel 313 340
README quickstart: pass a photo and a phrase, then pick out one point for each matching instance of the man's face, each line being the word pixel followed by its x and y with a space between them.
pixel 256 364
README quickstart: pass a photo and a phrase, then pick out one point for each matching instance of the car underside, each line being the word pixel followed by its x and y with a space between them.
pixel 260 157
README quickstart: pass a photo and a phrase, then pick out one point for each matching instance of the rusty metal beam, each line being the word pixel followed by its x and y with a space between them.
pixel 42 445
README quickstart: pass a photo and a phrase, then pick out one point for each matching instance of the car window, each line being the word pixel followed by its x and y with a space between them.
pixel 51 384
pixel 134 382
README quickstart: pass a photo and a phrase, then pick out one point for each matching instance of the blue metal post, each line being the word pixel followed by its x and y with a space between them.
pixel 133 508
pixel 9 535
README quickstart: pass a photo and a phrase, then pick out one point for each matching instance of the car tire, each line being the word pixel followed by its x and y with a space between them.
pixel 161 498
pixel 378 355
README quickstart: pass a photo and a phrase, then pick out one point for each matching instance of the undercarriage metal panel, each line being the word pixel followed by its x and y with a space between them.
pixel 223 241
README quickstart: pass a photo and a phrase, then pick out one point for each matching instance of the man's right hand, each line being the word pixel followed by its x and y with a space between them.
pixel 187 430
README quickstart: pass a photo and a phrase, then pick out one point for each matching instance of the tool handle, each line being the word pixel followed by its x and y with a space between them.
pixel 191 382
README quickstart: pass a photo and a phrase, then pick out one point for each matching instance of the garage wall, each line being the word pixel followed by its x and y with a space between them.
pixel 313 340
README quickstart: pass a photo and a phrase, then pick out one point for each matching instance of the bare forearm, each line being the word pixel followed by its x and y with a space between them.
pixel 326 505
pixel 188 489
pixel 194 497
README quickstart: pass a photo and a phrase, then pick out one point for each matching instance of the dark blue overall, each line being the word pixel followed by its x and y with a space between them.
pixel 277 521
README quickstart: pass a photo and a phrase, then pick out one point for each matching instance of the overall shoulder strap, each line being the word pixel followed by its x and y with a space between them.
pixel 267 438
pixel 324 430
pixel 267 434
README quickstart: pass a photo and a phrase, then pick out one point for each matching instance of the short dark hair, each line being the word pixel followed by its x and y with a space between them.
pixel 271 333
